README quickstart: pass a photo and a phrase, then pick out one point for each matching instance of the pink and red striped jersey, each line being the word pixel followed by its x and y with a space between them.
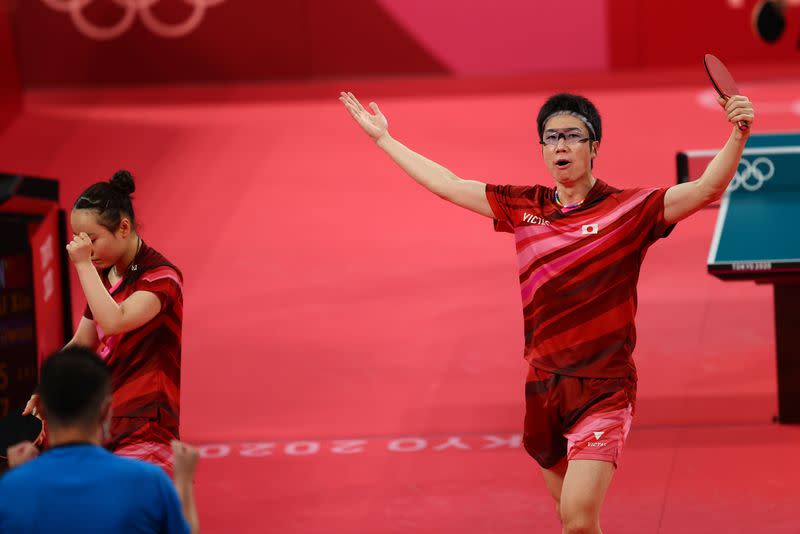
pixel 578 270
pixel 145 363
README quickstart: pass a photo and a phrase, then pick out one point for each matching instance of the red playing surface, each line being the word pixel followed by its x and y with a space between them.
pixel 352 344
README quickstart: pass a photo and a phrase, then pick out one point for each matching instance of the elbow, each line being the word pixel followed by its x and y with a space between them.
pixel 443 190
pixel 443 195
pixel 710 192
pixel 448 188
pixel 111 327
pixel 714 195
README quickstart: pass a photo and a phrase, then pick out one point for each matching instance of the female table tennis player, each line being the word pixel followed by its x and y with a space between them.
pixel 133 319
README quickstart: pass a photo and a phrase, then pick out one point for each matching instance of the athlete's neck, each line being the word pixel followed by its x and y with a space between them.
pixel 134 244
pixel 574 192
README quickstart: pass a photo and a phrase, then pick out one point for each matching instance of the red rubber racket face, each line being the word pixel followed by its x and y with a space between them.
pixel 17 428
pixel 720 77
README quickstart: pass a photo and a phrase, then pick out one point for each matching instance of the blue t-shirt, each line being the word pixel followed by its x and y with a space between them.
pixel 83 488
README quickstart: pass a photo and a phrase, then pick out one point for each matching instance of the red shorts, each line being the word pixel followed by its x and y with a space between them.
pixel 142 438
pixel 154 453
pixel 577 418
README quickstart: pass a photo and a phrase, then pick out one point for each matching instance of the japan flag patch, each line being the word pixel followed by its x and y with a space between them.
pixel 588 229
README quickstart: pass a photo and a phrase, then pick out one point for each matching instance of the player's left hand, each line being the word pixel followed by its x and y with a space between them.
pixel 184 460
pixel 738 109
pixel 21 452
pixel 80 248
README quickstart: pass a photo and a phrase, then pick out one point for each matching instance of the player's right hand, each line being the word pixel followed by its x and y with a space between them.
pixel 80 248
pixel 374 124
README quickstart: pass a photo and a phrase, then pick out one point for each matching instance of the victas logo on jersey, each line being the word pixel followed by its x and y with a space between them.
pixel 597 435
pixel 534 219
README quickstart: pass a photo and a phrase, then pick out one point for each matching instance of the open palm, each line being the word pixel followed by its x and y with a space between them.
pixel 375 124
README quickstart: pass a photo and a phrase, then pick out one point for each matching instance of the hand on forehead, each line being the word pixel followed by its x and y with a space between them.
pixel 85 220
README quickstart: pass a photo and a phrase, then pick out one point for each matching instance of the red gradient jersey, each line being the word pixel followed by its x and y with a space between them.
pixel 578 270
pixel 145 363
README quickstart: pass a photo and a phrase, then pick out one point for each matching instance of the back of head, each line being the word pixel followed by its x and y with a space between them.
pixel 570 104
pixel 73 385
pixel 111 200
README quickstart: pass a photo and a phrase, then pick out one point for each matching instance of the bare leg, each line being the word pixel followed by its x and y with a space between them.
pixel 554 479
pixel 582 494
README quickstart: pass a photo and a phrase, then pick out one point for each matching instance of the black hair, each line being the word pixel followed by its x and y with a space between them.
pixel 73 384
pixel 574 104
pixel 111 200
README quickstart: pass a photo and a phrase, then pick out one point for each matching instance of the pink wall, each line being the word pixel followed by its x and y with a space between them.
pixel 251 40
pixel 233 40
pixel 507 36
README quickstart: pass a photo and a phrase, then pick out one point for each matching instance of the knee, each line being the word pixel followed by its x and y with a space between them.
pixel 580 528
pixel 580 523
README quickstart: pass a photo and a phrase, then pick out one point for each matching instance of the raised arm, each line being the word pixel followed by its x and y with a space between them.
pixel 469 194
pixel 684 199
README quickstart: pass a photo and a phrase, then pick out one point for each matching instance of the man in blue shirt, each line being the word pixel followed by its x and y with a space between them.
pixel 76 485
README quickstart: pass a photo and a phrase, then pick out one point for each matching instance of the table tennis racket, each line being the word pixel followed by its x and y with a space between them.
pixel 722 81
pixel 16 429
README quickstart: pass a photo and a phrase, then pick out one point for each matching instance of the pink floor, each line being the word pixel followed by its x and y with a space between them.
pixel 352 345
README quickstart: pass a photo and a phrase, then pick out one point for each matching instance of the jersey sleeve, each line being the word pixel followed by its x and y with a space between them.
pixel 656 226
pixel 164 282
pixel 506 201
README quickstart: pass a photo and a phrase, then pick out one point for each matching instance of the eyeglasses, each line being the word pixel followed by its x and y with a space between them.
pixel 571 137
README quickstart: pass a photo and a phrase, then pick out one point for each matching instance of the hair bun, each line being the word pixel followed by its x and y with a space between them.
pixel 123 181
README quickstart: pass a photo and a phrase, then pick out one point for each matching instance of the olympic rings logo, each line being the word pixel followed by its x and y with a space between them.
pixel 751 176
pixel 132 7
